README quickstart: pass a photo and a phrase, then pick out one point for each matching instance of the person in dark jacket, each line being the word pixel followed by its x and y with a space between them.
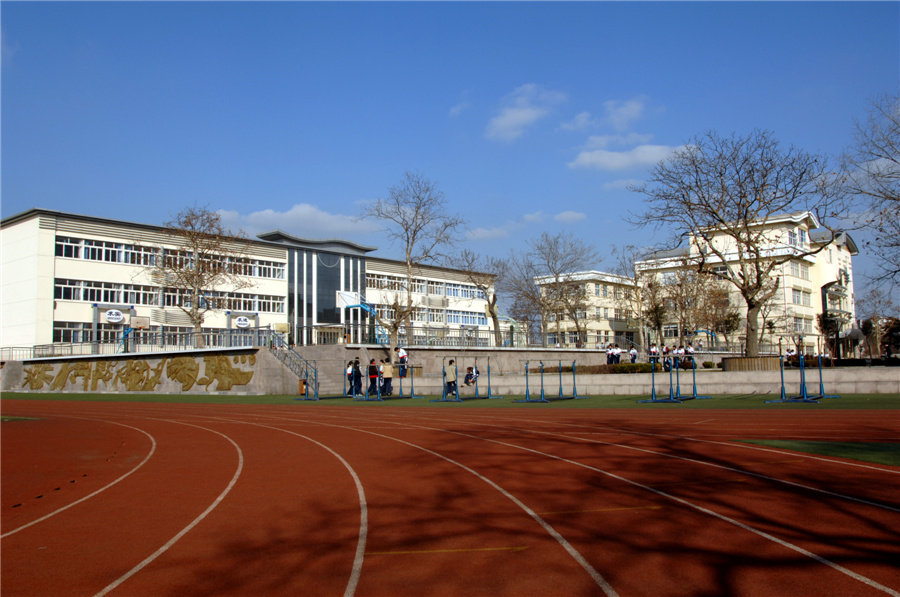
pixel 373 377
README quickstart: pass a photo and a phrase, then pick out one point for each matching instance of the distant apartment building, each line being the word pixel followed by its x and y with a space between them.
pixel 589 308
pixel 810 282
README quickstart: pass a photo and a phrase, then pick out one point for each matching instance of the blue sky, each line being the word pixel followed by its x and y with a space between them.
pixel 531 117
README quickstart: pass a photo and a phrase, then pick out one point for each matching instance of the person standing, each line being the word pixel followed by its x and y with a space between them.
pixel 357 378
pixel 387 374
pixel 450 378
pixel 654 355
pixel 373 377
pixel 633 353
pixel 350 385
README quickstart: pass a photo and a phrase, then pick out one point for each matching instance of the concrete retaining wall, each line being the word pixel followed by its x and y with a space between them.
pixel 256 371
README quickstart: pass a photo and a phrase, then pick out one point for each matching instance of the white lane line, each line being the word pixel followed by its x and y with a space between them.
pixel 363 505
pixel 102 489
pixel 859 577
pixel 596 576
pixel 186 529
pixel 863 579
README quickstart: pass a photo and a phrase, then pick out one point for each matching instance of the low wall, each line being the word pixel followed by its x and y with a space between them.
pixel 238 371
pixel 255 371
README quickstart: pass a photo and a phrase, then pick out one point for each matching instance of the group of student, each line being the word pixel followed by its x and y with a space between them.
pixel 381 375
pixel 676 355
pixel 614 354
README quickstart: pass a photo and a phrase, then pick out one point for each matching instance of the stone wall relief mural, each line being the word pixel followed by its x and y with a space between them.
pixel 221 373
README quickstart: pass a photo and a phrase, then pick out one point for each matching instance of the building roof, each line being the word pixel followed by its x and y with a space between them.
pixel 588 276
pixel 332 245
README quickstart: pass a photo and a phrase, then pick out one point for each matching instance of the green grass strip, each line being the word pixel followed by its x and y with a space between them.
pixel 877 453
pixel 725 402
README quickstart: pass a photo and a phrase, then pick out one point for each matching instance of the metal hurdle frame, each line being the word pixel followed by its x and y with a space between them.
pixel 412 385
pixel 528 392
pixel 693 396
pixel 822 393
pixel 803 396
pixel 653 399
pixel 489 394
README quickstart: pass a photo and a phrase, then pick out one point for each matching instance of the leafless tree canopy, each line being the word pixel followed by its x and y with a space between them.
pixel 717 187
pixel 207 257
pixel 553 257
pixel 487 274
pixel 415 217
pixel 872 173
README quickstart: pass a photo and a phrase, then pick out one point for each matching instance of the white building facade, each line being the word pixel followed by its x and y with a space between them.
pixel 74 279
pixel 814 275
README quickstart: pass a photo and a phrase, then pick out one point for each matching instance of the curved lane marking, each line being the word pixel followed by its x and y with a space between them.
pixel 596 576
pixel 859 577
pixel 102 489
pixel 704 463
pixel 194 523
pixel 363 505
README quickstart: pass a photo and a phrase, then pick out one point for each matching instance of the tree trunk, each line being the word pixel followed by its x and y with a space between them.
pixel 498 334
pixel 753 330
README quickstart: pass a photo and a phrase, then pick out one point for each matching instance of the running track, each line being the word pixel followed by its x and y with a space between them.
pixel 130 499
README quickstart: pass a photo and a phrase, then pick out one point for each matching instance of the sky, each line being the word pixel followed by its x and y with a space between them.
pixel 529 117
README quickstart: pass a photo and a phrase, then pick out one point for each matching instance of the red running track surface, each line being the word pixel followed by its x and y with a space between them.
pixel 164 499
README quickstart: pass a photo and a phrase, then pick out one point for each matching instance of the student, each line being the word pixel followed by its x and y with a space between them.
pixel 403 359
pixel 667 362
pixel 471 375
pixel 387 377
pixel 450 378
pixel 357 378
pixel 350 378
pixel 654 355
pixel 373 377
pixel 689 354
pixel 633 353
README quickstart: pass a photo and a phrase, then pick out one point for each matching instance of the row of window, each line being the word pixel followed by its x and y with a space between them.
pixel 435 316
pixel 135 294
pixel 802 325
pixel 617 291
pixel 602 313
pixel 800 270
pixel 80 332
pixel 95 250
pixel 399 283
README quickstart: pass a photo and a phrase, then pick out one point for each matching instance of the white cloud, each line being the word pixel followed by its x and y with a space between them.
pixel 303 220
pixel 508 228
pixel 581 121
pixel 604 141
pixel 458 109
pixel 620 114
pixel 642 155
pixel 570 217
pixel 522 108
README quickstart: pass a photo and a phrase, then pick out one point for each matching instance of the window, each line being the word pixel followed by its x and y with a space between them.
pixel 137 255
pixel 436 288
pixel 101 292
pixel 792 238
pixel 67 290
pixel 68 247
pixel 605 291
pixel 74 332
pixel 135 294
pixel 795 295
pixel 670 331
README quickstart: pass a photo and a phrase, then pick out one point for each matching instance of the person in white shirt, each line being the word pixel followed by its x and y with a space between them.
pixel 633 353
pixel 403 359
pixel 654 355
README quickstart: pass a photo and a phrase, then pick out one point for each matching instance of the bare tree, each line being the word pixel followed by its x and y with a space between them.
pixel 486 273
pixel 415 218
pixel 642 302
pixel 207 263
pixel 872 173
pixel 555 259
pixel 520 283
pixel 877 309
pixel 726 189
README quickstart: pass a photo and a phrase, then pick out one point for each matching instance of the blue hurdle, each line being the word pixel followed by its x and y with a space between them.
pixel 527 391
pixel 653 398
pixel 454 397
pixel 803 396
pixel 822 393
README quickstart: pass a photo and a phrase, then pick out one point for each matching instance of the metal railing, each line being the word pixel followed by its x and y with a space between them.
pixel 302 368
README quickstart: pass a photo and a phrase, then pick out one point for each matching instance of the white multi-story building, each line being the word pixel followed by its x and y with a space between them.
pixel 811 279
pixel 69 278
pixel 603 304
